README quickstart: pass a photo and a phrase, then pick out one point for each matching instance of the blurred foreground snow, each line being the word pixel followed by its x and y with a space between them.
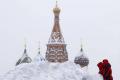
pixel 49 71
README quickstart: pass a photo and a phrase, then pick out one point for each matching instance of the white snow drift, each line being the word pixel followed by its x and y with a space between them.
pixel 49 71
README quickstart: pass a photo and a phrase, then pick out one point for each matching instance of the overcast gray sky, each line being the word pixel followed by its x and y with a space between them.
pixel 96 22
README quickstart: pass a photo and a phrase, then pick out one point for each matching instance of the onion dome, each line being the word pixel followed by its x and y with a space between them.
pixel 25 58
pixel 56 10
pixel 39 58
pixel 82 60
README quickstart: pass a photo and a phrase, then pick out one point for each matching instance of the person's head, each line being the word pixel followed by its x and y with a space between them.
pixel 105 61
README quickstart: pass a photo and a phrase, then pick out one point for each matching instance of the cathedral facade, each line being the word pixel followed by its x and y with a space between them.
pixel 56 48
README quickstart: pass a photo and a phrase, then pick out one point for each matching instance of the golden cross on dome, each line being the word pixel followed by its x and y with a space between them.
pixel 25 47
pixel 81 46
pixel 25 43
pixel 56 3
pixel 39 46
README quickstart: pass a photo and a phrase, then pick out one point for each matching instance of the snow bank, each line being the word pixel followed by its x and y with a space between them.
pixel 1 77
pixel 49 71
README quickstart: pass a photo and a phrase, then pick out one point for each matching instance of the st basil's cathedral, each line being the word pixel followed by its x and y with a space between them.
pixel 56 48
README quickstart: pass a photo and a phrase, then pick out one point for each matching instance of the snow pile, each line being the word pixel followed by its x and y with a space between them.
pixel 1 77
pixel 49 71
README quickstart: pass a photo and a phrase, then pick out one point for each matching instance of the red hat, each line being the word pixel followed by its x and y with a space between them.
pixel 105 61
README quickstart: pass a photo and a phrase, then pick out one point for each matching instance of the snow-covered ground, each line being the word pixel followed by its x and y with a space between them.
pixel 49 71
pixel 1 77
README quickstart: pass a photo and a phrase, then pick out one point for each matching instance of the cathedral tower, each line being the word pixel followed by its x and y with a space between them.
pixel 56 47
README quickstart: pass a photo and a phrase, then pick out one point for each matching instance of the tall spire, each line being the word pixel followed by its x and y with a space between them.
pixel 56 47
pixel 56 11
pixel 56 35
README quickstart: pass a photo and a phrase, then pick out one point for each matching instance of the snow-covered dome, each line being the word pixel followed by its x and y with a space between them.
pixel 82 60
pixel 24 59
pixel 39 58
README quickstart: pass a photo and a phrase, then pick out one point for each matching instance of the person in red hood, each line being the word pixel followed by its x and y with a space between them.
pixel 101 69
pixel 105 69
